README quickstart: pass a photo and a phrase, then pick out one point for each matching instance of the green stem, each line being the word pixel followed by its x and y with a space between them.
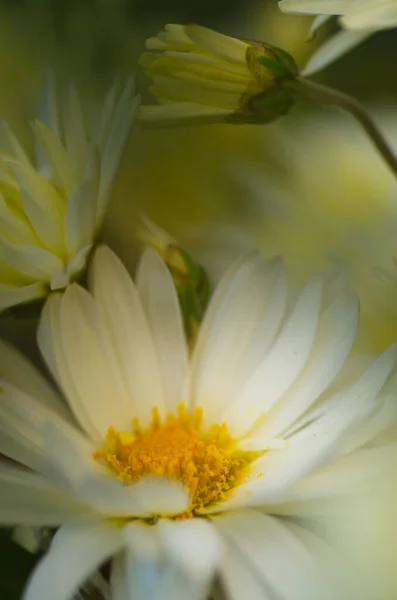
pixel 320 93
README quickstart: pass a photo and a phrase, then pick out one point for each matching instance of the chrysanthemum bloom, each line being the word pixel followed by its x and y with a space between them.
pixel 359 20
pixel 180 468
pixel 203 76
pixel 51 208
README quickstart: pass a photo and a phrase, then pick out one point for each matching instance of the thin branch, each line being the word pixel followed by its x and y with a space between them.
pixel 320 93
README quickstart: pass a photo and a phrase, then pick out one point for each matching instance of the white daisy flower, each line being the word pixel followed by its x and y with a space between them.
pixel 359 19
pixel 51 208
pixel 178 467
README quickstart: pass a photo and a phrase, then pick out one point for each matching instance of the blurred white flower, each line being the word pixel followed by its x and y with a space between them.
pixel 319 196
pixel 182 468
pixel 359 19
pixel 202 76
pixel 52 207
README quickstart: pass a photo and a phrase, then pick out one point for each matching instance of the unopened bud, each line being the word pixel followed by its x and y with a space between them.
pixel 190 279
pixel 201 76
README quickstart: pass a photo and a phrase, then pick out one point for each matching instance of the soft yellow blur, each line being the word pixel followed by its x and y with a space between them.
pixel 333 205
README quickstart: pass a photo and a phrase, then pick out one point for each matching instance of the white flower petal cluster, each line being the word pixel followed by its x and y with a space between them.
pixel 359 19
pixel 198 74
pixel 52 206
pixel 275 370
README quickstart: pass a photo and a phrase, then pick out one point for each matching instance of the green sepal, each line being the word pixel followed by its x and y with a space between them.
pixel 269 105
pixel 192 286
pixel 271 64
pixel 286 60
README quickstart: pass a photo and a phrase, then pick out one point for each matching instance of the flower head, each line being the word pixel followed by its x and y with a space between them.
pixel 174 464
pixel 52 207
pixel 358 18
pixel 203 76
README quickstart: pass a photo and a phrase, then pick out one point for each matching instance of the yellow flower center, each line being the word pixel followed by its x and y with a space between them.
pixel 206 462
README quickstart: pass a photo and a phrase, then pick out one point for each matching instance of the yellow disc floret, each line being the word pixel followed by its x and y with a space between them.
pixel 206 462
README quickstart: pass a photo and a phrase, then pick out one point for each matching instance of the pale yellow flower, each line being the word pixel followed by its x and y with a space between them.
pixel 184 470
pixel 52 206
pixel 203 76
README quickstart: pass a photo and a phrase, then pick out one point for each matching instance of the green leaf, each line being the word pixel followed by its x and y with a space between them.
pixel 16 565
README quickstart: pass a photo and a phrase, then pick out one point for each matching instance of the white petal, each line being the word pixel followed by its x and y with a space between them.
pixel 13 144
pixel 13 295
pixel 32 261
pixel 175 585
pixel 275 553
pixel 317 23
pixel 75 553
pixel 48 109
pixel 239 580
pixel 80 218
pixel 114 146
pixel 129 335
pixel 95 486
pixel 208 68
pixel 282 365
pixel 149 497
pixel 255 444
pixel 171 89
pixel 78 263
pixel 160 301
pixel 170 114
pixel 227 47
pixel 105 117
pixel 355 473
pixel 192 545
pixel 24 418
pixel 57 155
pixel 334 48
pixel 144 579
pixel 312 7
pixel 350 407
pixel 314 444
pixel 143 540
pixel 174 36
pixel 27 498
pixel 370 15
pixel 334 338
pixel 351 371
pixel 240 324
pixel 18 371
pixel 376 424
pixel 159 579
pixel 16 448
pixel 15 229
pixel 86 361
pixel 51 347
pixel 48 202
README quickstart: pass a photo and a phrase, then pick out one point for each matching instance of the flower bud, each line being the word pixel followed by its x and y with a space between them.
pixel 201 76
pixel 189 277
